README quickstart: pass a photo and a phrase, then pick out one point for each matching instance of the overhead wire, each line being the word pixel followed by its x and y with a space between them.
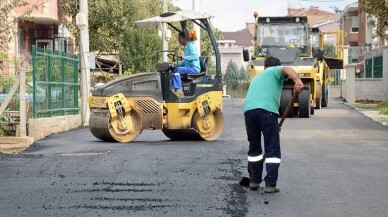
pixel 322 0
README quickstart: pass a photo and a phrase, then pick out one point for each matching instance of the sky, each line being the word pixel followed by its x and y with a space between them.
pixel 232 15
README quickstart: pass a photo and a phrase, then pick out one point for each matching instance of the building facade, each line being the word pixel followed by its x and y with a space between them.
pixel 44 29
pixel 367 65
pixel 232 45
pixel 359 29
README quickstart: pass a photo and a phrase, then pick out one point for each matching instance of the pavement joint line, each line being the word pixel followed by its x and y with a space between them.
pixel 84 154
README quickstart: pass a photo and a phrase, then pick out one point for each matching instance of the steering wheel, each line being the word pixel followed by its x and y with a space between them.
pixel 172 56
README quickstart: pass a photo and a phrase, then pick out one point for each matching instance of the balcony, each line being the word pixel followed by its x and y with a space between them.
pixel 351 38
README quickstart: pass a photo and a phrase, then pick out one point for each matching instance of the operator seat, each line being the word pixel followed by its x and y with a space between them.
pixel 203 61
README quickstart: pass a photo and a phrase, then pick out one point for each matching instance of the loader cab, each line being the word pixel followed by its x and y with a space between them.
pixel 316 51
pixel 287 34
pixel 328 46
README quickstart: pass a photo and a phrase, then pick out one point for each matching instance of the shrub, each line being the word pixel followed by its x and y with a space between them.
pixel 232 75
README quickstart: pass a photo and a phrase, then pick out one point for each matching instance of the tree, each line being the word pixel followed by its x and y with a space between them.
pixel 243 74
pixel 211 67
pixel 232 75
pixel 336 9
pixel 379 9
pixel 110 27
pixel 329 49
pixel 139 51
pixel 206 46
pixel 108 20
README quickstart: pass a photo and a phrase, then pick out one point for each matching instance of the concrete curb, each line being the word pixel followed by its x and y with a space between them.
pixel 14 145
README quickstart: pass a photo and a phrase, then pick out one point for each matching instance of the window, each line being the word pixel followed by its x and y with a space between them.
pixel 353 53
pixel 374 67
pixel 354 24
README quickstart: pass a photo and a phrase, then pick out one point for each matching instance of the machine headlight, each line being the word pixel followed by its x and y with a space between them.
pixel 268 20
pixel 97 101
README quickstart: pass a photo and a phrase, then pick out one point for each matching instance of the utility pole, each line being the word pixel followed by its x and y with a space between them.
pixel 197 8
pixel 164 34
pixel 82 23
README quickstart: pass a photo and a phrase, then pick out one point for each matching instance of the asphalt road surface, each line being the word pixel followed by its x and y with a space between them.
pixel 333 164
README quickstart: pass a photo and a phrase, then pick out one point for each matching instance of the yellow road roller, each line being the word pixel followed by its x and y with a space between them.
pixel 122 108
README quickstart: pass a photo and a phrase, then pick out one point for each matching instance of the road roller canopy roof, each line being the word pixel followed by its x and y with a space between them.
pixel 170 17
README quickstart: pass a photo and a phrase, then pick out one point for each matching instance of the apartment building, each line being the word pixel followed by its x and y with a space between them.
pixel 366 68
pixel 359 29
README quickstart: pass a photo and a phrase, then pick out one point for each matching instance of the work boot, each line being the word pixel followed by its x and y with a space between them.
pixel 179 93
pixel 271 190
pixel 254 186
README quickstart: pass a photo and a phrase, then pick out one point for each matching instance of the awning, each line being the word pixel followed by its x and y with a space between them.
pixel 170 17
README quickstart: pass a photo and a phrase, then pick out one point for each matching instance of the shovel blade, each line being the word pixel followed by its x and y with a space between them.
pixel 244 182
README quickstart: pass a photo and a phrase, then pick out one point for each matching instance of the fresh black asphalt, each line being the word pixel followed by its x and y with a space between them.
pixel 333 164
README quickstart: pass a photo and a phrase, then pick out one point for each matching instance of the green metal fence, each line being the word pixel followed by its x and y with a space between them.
pixel 55 83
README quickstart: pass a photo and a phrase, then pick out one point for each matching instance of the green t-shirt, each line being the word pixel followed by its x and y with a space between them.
pixel 265 89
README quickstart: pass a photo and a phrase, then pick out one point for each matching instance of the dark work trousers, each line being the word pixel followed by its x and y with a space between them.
pixel 257 122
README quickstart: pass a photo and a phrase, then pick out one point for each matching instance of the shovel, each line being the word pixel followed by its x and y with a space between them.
pixel 289 106
pixel 245 180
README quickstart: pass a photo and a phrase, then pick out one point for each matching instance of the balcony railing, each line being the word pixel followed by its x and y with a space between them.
pixel 60 44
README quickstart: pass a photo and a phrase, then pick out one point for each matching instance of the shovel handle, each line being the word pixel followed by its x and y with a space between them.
pixel 289 106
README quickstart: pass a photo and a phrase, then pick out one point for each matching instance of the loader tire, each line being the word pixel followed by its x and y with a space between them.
pixel 304 102
pixel 284 101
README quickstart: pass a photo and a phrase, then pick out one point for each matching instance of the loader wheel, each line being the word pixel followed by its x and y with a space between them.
pixel 304 102
pixel 284 101
pixel 209 128
pixel 101 128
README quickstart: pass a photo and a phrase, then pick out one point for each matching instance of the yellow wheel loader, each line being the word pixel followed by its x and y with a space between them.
pixel 123 108
pixel 295 44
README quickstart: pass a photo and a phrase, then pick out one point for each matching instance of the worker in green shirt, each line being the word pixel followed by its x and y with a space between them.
pixel 261 117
